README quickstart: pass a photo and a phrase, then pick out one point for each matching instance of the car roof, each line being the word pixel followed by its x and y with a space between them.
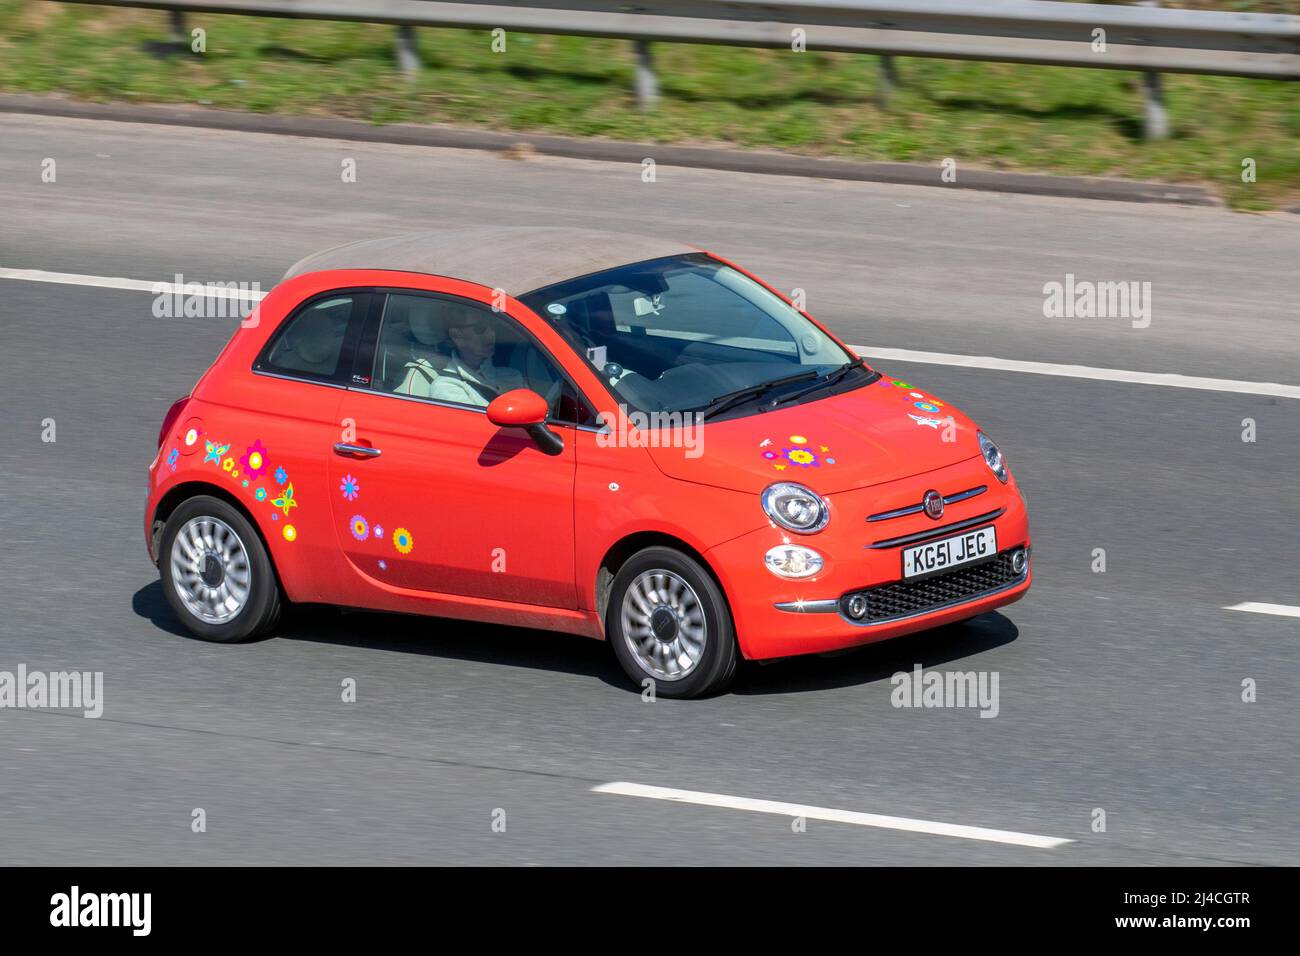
pixel 517 259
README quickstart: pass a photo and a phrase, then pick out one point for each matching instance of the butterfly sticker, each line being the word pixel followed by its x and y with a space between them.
pixel 932 422
pixel 215 452
pixel 285 501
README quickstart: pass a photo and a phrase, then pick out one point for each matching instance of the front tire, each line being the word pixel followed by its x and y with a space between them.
pixel 216 573
pixel 668 622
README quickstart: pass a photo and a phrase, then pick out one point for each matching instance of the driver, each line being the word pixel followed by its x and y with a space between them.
pixel 470 377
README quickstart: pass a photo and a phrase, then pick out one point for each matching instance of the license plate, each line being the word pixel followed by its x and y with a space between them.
pixel 946 553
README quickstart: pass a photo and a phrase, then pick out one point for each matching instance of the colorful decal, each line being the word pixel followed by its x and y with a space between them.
pixel 281 476
pixel 350 487
pixel 215 452
pixel 360 528
pixel 403 541
pixel 171 458
pixel 290 532
pixel 260 494
pixel 254 459
pixel 191 437
pixel 285 501
pixel 379 531
pixel 932 422
pixel 801 454
pixel 227 464
pixel 901 384
pixel 926 406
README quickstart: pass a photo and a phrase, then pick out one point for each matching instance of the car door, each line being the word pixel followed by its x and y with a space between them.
pixel 428 494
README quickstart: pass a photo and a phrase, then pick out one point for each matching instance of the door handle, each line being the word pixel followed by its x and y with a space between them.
pixel 360 451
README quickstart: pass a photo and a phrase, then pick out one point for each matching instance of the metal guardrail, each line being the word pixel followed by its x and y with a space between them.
pixel 1145 38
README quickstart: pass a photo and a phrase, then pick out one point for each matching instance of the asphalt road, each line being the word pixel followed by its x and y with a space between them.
pixel 1118 690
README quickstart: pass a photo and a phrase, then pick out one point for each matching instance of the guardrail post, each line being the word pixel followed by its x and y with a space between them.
pixel 1155 118
pixel 888 79
pixel 408 55
pixel 176 27
pixel 647 84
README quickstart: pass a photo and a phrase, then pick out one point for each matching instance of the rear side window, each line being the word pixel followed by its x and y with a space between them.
pixel 317 341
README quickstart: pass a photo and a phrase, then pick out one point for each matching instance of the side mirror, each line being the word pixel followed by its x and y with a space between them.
pixel 523 408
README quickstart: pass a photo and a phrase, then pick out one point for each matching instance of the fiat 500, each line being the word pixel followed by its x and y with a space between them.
pixel 614 436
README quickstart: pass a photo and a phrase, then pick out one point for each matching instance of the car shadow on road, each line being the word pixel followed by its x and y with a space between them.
pixel 955 643
pixel 566 653
pixel 413 634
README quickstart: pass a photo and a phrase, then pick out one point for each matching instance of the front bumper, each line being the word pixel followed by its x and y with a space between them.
pixel 776 617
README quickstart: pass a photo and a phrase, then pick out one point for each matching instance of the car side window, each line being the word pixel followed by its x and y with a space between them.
pixel 314 342
pixel 461 352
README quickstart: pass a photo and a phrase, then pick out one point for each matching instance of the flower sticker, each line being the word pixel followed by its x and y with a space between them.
pixel 403 541
pixel 926 406
pixel 215 452
pixel 379 531
pixel 800 457
pixel 260 494
pixel 254 459
pixel 285 501
pixel 227 464
pixel 801 454
pixel 281 476
pixel 290 532
pixel 350 487
pixel 191 437
pixel 360 528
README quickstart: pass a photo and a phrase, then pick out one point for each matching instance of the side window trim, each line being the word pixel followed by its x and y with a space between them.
pixel 361 299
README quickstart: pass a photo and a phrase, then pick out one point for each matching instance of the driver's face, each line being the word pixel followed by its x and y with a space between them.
pixel 474 341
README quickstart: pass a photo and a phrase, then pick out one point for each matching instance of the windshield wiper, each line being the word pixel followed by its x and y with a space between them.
pixel 721 403
pixel 832 378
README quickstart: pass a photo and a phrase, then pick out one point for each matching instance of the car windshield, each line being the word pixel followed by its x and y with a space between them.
pixel 689 333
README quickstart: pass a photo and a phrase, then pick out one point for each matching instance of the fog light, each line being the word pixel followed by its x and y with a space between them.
pixel 1019 561
pixel 793 561
pixel 856 607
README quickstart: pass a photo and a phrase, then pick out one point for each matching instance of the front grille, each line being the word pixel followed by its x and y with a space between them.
pixel 909 598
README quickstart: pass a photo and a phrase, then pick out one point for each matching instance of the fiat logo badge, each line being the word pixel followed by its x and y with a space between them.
pixel 933 504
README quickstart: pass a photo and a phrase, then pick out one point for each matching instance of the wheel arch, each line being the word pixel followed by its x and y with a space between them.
pixel 625 547
pixel 186 490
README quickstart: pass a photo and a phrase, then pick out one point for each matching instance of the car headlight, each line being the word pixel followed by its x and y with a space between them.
pixel 795 508
pixel 793 561
pixel 992 456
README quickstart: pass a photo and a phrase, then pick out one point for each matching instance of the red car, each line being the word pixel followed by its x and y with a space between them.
pixel 608 435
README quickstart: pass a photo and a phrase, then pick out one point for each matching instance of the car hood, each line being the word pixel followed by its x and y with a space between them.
pixel 880 432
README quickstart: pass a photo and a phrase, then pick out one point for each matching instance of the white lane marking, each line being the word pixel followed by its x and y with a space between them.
pixel 1254 607
pixel 897 355
pixel 216 290
pixel 831 815
pixel 1082 371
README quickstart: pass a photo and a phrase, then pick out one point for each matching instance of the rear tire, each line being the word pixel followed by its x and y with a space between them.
pixel 216 572
pixel 668 622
